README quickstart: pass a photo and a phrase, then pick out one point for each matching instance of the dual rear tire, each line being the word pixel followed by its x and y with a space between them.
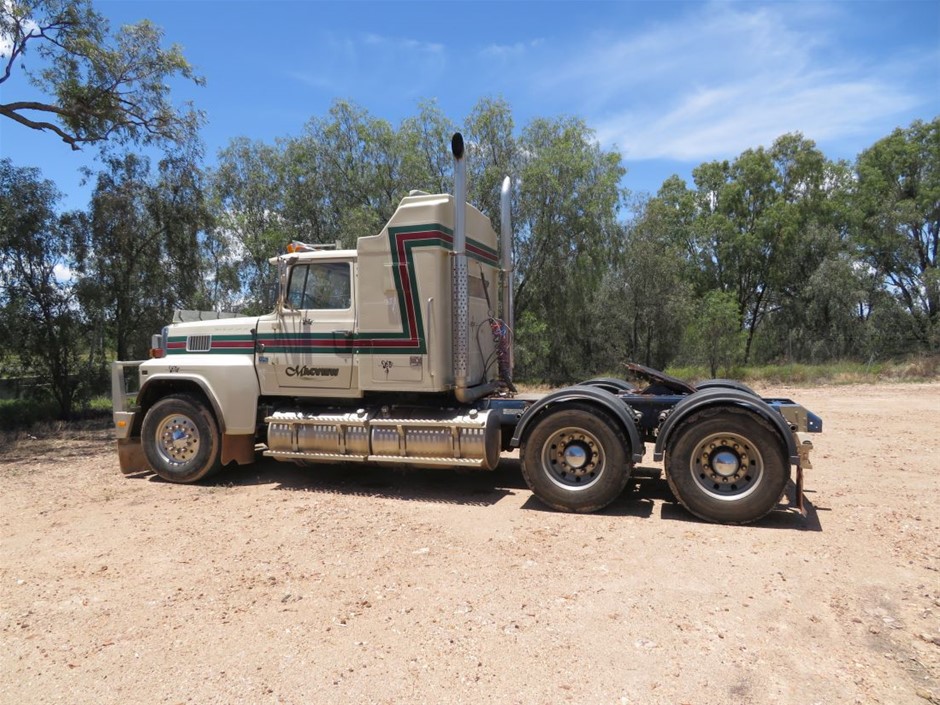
pixel 723 464
pixel 727 465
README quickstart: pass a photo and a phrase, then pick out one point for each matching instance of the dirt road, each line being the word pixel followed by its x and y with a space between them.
pixel 280 584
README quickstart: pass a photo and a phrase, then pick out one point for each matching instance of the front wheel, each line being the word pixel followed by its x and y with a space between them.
pixel 727 465
pixel 180 437
pixel 574 459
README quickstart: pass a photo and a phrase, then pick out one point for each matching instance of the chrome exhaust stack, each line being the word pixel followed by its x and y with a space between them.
pixel 461 298
pixel 505 245
pixel 461 307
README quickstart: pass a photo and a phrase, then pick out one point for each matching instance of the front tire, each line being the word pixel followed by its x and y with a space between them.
pixel 727 465
pixel 574 459
pixel 181 439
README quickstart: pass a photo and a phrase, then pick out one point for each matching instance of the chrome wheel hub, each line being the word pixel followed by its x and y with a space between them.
pixel 177 439
pixel 573 458
pixel 725 463
pixel 576 456
pixel 727 466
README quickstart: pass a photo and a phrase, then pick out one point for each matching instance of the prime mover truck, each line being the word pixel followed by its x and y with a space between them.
pixel 400 352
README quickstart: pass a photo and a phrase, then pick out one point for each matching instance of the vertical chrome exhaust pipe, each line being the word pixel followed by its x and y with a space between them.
pixel 461 301
pixel 505 232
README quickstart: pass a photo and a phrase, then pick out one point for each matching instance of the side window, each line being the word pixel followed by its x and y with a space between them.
pixel 320 285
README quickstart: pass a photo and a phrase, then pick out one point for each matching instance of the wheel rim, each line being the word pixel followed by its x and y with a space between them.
pixel 727 466
pixel 573 458
pixel 177 439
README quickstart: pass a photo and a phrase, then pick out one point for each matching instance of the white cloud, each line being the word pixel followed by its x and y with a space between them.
pixel 28 26
pixel 727 77
pixel 732 118
pixel 412 45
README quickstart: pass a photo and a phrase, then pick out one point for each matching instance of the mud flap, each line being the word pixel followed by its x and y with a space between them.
pixel 240 448
pixel 131 456
pixel 805 445
pixel 798 492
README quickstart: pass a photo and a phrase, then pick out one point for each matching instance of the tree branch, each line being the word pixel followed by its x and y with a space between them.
pixel 11 113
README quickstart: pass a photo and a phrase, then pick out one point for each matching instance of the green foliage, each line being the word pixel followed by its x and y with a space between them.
pixel 250 223
pixel 567 234
pixel 897 226
pixel 714 334
pixel 137 254
pixel 533 341
pixel 99 405
pixel 40 323
pixel 493 153
pixel 23 413
pixel 646 296
pixel 763 223
pixel 101 86
pixel 424 140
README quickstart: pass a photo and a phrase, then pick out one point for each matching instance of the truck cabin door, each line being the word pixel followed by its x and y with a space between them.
pixel 312 342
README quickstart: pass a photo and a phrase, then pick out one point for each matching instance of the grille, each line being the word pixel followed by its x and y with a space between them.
pixel 199 343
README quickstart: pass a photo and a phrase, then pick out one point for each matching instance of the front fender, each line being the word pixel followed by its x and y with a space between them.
pixel 229 383
pixel 724 396
pixel 593 395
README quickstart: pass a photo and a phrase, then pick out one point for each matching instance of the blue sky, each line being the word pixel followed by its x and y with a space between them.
pixel 668 84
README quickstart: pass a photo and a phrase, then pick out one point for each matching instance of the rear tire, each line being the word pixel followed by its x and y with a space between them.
pixel 181 439
pixel 574 459
pixel 727 465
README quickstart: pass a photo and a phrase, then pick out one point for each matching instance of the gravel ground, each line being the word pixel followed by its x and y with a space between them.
pixel 280 584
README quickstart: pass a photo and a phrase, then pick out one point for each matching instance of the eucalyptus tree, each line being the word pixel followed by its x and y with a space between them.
pixel 647 293
pixel 897 202
pixel 567 230
pixel 359 163
pixel 763 223
pixel 494 153
pixel 137 252
pixel 40 323
pixel 98 86
pixel 250 224
pixel 424 141
pixel 713 335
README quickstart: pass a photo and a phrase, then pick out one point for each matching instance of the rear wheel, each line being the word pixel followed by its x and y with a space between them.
pixel 727 465
pixel 574 459
pixel 180 437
